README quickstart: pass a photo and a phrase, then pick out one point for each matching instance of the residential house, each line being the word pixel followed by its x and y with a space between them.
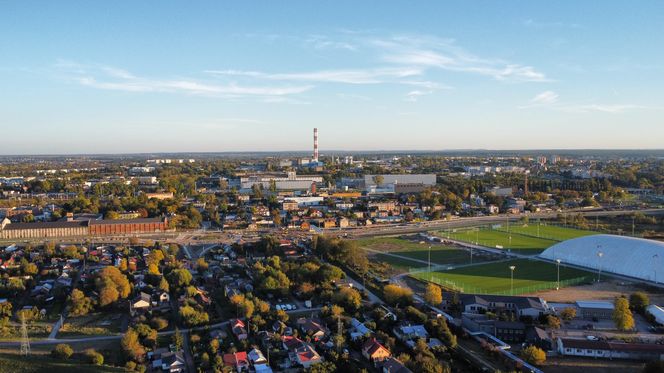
pixel 237 361
pixel 375 352
pixel 239 329
pixel 312 328
pixel 392 365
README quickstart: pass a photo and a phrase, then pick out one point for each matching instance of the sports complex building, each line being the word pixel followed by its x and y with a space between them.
pixel 628 256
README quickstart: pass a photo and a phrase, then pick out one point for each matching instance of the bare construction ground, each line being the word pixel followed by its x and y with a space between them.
pixel 606 290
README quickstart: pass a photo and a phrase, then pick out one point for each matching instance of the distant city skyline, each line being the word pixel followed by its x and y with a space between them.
pixel 161 76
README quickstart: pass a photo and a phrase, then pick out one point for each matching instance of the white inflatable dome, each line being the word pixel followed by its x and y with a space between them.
pixel 628 256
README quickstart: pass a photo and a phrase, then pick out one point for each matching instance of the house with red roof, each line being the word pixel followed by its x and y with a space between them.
pixel 237 361
pixel 375 352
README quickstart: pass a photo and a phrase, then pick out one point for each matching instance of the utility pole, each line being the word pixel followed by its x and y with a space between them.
pixel 654 262
pixel 429 262
pixel 633 218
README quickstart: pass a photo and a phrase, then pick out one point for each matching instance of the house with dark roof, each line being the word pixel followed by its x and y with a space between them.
pixel 392 365
pixel 610 350
pixel 239 329
pixel 482 303
pixel 312 328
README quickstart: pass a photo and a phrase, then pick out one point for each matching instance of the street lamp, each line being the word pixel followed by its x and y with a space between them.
pixel 654 262
pixel 558 268
pixel 600 254
pixel 512 268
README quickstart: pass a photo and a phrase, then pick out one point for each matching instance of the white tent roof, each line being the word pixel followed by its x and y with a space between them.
pixel 634 257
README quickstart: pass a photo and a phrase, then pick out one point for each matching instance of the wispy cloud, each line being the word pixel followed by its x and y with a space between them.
pixel 445 54
pixel 357 76
pixel 603 108
pixel 550 99
pixel 112 78
pixel 545 98
pixel 555 24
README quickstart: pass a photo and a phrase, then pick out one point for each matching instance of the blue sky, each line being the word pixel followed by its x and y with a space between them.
pixel 152 76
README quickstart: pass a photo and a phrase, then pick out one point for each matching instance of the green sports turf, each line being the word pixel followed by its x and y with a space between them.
pixel 492 238
pixel 494 278
pixel 551 232
pixel 440 254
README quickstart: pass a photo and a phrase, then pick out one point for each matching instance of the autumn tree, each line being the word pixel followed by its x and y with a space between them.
pixel 132 346
pixel 433 294
pixel 112 285
pixel 79 304
pixel 622 316
pixel 533 355
pixel 568 313
pixel 62 351
pixel 395 294
pixel 638 301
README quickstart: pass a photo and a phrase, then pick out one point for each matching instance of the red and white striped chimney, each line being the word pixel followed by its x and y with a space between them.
pixel 315 145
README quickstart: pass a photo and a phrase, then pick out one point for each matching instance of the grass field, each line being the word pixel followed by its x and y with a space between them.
pixel 551 232
pixel 43 364
pixel 494 278
pixel 492 238
pixel 440 254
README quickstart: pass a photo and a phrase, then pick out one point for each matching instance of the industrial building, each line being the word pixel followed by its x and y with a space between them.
pixel 289 181
pixel 607 253
pixel 78 228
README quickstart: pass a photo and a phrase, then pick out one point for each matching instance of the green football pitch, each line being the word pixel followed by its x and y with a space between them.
pixel 494 278
pixel 499 239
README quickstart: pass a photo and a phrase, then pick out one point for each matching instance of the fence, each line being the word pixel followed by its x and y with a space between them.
pixel 466 288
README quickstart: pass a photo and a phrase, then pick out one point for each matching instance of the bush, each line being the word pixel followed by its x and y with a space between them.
pixel 62 351
pixel 93 357
pixel 159 323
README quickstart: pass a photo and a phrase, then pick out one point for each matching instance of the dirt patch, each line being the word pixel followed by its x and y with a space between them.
pixel 385 246
pixel 580 365
pixel 607 290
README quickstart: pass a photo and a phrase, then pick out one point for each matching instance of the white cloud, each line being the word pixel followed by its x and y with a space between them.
pixel 428 52
pixel 111 78
pixel 603 108
pixel 545 98
pixel 358 76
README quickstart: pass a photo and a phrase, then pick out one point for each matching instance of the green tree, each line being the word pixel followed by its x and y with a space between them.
pixel 622 316
pixel 533 355
pixel 179 278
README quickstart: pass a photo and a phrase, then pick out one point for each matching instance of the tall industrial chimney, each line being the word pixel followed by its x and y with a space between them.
pixel 315 145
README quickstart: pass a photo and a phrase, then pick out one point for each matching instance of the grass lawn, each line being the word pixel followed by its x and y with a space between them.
pixel 494 278
pixel 440 254
pixel 90 325
pixel 551 232
pixel 492 238
pixel 43 364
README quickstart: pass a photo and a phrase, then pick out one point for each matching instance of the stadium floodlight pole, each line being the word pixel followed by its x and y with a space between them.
pixel 558 268
pixel 600 254
pixel 512 268
pixel 633 217
pixel 654 262
pixel 429 262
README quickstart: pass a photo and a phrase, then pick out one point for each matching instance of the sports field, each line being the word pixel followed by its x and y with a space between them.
pixel 405 253
pixel 497 238
pixel 494 278
pixel 550 232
